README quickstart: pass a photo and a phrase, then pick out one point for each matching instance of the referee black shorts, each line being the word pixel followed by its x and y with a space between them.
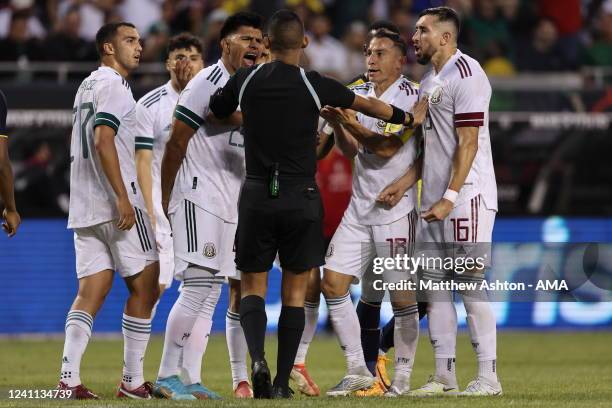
pixel 291 225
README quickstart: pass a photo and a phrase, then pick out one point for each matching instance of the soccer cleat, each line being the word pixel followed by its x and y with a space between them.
pixel 145 391
pixel 481 387
pixel 351 383
pixel 433 387
pixel 171 388
pixel 395 391
pixel 243 390
pixel 260 378
pixel 282 392
pixel 76 392
pixel 201 392
pixel 376 390
pixel 381 370
pixel 305 384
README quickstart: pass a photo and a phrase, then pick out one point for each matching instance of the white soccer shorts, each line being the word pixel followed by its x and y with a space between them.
pixel 104 246
pixel 203 239
pixel 165 249
pixel 354 246
pixel 467 232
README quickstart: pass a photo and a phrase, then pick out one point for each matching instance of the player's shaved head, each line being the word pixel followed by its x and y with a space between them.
pixel 285 31
pixel 444 15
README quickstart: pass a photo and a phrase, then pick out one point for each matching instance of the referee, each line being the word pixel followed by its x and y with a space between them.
pixel 280 208
pixel 10 216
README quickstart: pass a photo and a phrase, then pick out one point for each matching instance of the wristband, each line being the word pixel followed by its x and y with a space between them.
pixel 398 117
pixel 410 123
pixel 450 195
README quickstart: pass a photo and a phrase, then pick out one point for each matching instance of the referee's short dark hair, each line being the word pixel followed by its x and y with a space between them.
pixel 107 33
pixel 240 19
pixel 286 31
pixel 184 41
pixel 444 14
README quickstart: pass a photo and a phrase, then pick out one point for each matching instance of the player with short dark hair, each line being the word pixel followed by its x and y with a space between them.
pixel 280 207
pixel 10 216
pixel 112 230
pixel 458 199
pixel 201 173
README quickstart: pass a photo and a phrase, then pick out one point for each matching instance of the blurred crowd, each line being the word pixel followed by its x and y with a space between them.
pixel 507 36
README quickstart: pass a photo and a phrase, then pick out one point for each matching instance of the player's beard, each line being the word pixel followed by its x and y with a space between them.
pixel 424 59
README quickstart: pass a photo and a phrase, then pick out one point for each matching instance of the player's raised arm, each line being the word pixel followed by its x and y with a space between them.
pixel 10 216
pixel 104 142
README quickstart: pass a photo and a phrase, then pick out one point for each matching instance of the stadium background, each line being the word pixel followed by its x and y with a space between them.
pixel 550 64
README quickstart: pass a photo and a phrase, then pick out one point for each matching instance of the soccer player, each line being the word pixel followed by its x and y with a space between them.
pixel 112 230
pixel 207 161
pixel 369 229
pixel 280 207
pixel 154 121
pixel 10 215
pixel 459 195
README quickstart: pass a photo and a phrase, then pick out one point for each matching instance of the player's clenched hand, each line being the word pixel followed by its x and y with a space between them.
pixel 183 72
pixel 11 222
pixel 391 195
pixel 438 211
pixel 419 111
pixel 127 217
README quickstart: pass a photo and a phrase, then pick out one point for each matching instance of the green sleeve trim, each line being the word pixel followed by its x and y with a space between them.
pixel 103 118
pixel 188 117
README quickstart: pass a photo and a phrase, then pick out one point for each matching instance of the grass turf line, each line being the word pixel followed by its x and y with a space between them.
pixel 546 369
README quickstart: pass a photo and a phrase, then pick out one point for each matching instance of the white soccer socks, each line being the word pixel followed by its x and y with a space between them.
pixel 346 325
pixel 195 347
pixel 442 320
pixel 136 334
pixel 483 332
pixel 405 338
pixel 311 313
pixel 78 332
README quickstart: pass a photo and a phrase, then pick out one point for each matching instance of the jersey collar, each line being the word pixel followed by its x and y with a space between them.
pixel 171 91
pixel 105 68
pixel 449 63
pixel 224 70
pixel 389 92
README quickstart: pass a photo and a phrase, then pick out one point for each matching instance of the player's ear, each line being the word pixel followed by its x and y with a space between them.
pixel 266 42
pixel 108 48
pixel 225 45
pixel 446 38
pixel 305 42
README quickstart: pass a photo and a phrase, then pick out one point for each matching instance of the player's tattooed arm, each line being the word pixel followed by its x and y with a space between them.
pixel 104 141
pixel 393 193
pixel 144 158
pixel 382 145
pixel 175 152
pixel 463 158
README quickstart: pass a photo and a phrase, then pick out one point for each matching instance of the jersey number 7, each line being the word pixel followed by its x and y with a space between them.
pixel 89 108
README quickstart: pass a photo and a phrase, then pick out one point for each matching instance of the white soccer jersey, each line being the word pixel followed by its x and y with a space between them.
pixel 104 98
pixel 213 169
pixel 459 96
pixel 373 173
pixel 153 124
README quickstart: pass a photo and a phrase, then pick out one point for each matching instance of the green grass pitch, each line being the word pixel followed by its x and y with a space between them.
pixel 547 369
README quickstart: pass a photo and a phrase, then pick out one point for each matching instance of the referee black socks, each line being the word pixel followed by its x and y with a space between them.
pixel 254 320
pixel 290 328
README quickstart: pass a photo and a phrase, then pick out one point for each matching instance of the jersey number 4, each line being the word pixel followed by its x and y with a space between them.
pixel 83 122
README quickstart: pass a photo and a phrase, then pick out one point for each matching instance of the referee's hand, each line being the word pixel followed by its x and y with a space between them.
pixel 337 116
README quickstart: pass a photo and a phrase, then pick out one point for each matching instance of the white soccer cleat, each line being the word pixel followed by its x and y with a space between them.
pixel 398 390
pixel 433 388
pixel 482 387
pixel 349 384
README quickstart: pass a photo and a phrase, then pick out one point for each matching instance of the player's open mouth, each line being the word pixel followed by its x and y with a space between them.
pixel 373 71
pixel 249 59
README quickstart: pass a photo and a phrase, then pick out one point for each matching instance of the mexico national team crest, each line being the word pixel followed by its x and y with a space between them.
pixel 381 124
pixel 330 251
pixel 436 96
pixel 209 250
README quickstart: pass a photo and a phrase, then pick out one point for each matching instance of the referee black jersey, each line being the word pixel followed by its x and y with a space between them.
pixel 280 106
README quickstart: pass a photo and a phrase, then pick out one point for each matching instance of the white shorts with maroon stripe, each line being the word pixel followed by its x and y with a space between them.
pixel 466 232
pixel 354 246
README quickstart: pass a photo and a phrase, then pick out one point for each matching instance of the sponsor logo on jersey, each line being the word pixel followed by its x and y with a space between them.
pixel 209 250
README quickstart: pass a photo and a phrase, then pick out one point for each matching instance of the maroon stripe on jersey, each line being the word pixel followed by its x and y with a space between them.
pixel 467 123
pixel 466 65
pixel 477 211
pixel 465 68
pixel 472 204
pixel 469 115
pixel 459 67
